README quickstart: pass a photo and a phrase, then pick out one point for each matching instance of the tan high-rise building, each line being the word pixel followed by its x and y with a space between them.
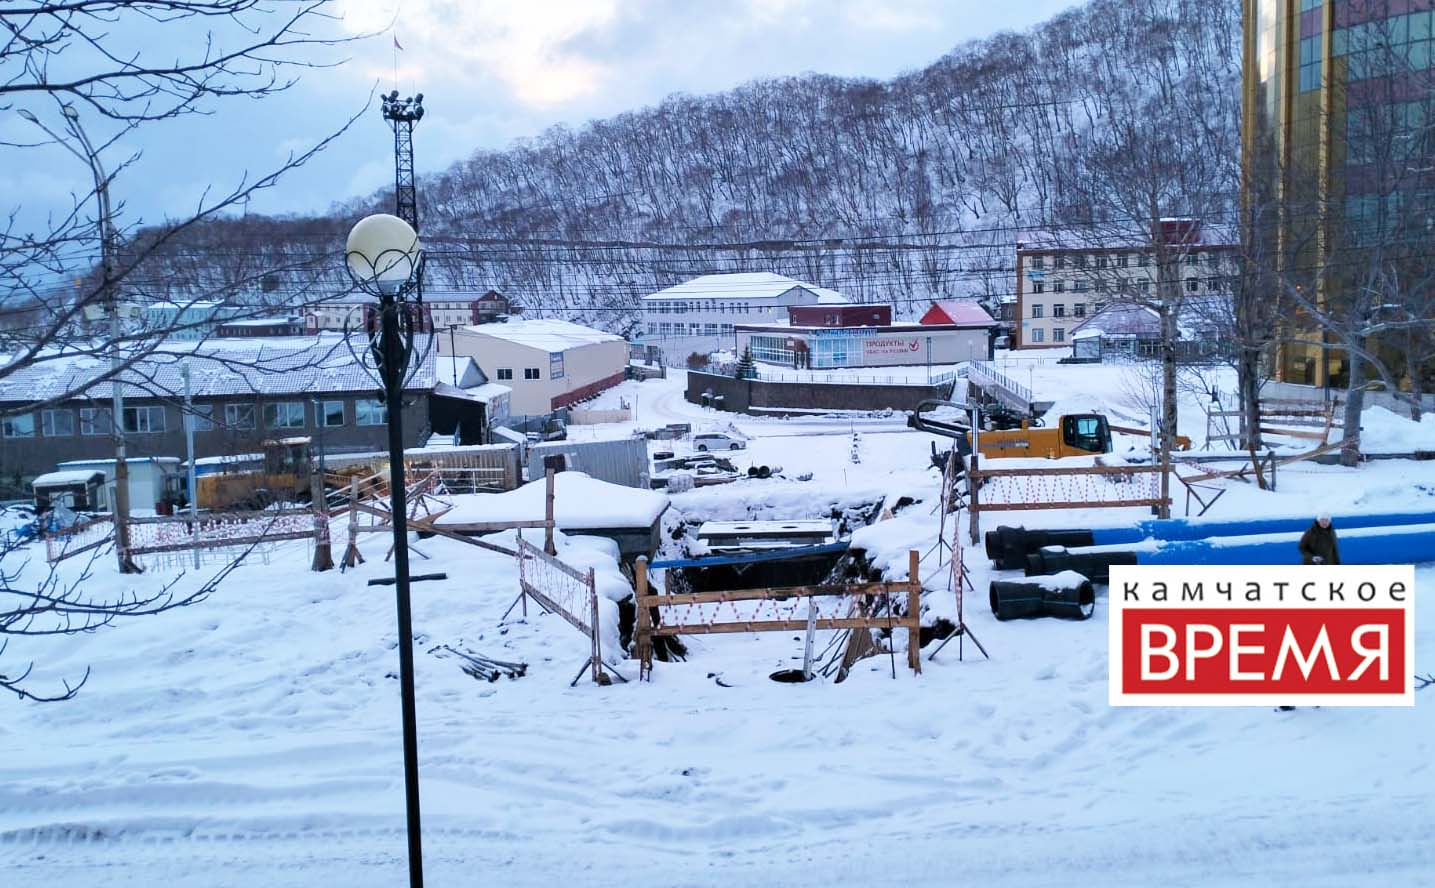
pixel 1338 139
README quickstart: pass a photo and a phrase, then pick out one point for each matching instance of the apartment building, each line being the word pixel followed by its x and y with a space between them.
pixel 1060 285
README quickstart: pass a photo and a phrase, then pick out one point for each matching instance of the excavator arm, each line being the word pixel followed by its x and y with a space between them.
pixel 959 430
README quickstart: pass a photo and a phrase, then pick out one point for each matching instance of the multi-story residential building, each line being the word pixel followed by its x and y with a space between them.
pixel 1338 147
pixel 441 310
pixel 702 314
pixel 1060 284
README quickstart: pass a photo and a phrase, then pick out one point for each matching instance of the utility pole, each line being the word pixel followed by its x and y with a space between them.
pixel 189 419
pixel 110 299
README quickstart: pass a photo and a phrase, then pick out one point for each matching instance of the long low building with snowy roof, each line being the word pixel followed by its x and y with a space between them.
pixel 701 315
pixel 243 392
pixel 548 363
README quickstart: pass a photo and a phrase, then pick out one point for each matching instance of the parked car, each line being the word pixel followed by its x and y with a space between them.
pixel 718 441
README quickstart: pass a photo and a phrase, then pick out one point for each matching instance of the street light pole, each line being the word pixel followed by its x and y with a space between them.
pixel 385 260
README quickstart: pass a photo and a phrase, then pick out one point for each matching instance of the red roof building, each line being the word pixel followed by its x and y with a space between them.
pixel 958 312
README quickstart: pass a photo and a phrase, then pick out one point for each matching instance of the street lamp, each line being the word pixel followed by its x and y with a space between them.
pixel 385 260
pixel 106 229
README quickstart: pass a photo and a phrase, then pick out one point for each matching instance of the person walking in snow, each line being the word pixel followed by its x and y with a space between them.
pixel 1318 544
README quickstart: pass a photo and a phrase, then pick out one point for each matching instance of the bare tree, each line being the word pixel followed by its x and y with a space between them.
pixel 79 67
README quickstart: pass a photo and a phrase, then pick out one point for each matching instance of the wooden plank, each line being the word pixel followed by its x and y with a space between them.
pixel 1071 470
pixel 1294 433
pixel 1025 507
pixel 775 626
pixel 221 544
pixel 492 547
pixel 678 599
pixel 204 517
pixel 493 526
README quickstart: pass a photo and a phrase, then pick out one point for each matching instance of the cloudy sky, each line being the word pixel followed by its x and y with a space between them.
pixel 493 71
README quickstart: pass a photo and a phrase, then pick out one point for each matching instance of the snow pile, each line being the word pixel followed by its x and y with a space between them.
pixel 580 502
pixel 1384 431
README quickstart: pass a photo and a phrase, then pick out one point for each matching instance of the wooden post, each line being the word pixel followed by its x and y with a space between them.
pixel 352 558
pixel 598 675
pixel 643 625
pixel 323 553
pixel 914 612
pixel 548 545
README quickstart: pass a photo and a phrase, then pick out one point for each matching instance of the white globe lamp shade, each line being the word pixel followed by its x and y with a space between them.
pixel 383 249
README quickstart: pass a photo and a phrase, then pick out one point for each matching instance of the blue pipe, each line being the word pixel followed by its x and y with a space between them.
pixel 1187 529
pixel 1008 547
pixel 1367 545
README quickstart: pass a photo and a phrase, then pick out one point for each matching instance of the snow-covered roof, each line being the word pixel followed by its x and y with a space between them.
pixel 1122 319
pixel 546 334
pixel 264 322
pixel 74 476
pixel 1088 333
pixel 746 285
pixel 287 365
pixel 488 391
pixel 460 371
pixel 964 313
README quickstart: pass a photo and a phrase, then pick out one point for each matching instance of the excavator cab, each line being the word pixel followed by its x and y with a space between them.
pixel 1086 433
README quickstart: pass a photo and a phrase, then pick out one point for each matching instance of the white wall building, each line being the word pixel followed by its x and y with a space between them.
pixel 701 314
pixel 547 363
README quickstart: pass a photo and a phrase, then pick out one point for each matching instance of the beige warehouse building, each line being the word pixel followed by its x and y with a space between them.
pixel 547 362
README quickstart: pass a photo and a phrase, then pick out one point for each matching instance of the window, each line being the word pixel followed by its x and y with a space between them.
pixel 1038 335
pixel 94 420
pixel 531 373
pixel 1060 261
pixel 1058 286
pixel 1036 311
pixel 1213 258
pixel 144 420
pixel 695 329
pixel 1142 260
pixel 1079 260
pixel 1101 285
pixel 239 416
pixel 201 418
pixel 21 425
pixel 370 412
pixel 1121 260
pixel 57 423
pixel 727 329
pixel 1038 262
pixel 1038 287
pixel 504 373
pixel 1079 309
pixel 331 414
pixel 1193 285
pixel 652 329
pixel 1058 334
pixel 284 415
pixel 1213 284
pixel 1100 260
pixel 1058 310
pixel 710 329
pixel 1145 286
pixel 1079 286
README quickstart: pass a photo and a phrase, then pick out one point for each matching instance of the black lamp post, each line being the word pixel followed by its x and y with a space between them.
pixel 385 260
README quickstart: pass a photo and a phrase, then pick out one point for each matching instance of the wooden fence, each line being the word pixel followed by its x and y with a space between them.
pixel 79 538
pixel 707 613
pixel 566 591
pixel 1069 487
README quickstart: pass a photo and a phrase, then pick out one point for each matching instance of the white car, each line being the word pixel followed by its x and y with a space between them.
pixel 717 441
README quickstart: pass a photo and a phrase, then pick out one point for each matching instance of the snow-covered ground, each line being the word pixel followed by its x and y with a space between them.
pixel 254 738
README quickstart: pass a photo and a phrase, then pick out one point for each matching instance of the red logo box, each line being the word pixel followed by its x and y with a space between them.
pixel 1260 636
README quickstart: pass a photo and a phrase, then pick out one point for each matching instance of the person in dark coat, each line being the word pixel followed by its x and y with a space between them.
pixel 1318 545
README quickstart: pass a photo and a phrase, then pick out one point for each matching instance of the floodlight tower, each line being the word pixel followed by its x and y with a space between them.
pixel 402 114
